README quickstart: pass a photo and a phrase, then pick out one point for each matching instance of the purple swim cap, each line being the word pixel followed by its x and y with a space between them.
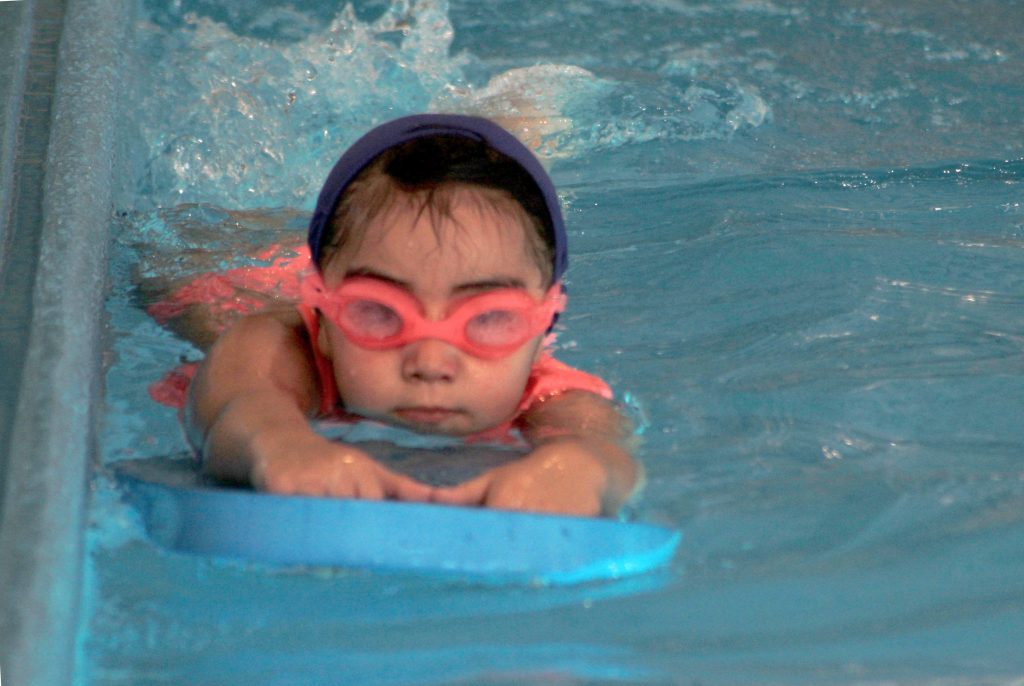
pixel 386 136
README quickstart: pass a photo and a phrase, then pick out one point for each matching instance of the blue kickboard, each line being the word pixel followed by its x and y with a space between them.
pixel 184 513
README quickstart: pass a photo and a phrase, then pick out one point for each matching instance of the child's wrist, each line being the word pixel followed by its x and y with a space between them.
pixel 544 435
pixel 270 444
pixel 608 464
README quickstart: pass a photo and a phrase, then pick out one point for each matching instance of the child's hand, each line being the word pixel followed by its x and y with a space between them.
pixel 248 415
pixel 563 477
pixel 334 470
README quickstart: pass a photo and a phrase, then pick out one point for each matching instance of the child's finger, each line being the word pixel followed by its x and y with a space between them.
pixel 399 487
pixel 368 487
pixel 473 492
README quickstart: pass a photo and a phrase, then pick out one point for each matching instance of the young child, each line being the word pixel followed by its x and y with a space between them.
pixel 439 248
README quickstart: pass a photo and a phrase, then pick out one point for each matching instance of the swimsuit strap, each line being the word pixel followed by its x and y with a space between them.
pixel 325 373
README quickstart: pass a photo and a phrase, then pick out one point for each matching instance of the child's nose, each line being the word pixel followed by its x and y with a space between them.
pixel 430 360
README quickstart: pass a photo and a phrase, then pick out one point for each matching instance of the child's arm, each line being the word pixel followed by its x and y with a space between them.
pixel 248 415
pixel 580 463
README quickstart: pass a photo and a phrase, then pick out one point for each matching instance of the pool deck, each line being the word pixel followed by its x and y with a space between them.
pixel 59 100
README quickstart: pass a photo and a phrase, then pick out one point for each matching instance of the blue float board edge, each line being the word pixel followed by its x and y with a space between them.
pixel 473 544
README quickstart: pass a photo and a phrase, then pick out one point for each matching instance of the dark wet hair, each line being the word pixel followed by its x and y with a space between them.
pixel 429 170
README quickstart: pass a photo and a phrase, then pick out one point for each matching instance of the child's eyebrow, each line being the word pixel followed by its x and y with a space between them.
pixel 467 287
pixel 380 276
pixel 490 284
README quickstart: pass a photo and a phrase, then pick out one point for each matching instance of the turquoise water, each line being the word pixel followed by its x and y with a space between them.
pixel 796 236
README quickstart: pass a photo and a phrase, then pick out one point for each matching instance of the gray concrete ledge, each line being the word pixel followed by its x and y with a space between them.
pixel 53 432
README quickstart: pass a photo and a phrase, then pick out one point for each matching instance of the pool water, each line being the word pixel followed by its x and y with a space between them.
pixel 797 241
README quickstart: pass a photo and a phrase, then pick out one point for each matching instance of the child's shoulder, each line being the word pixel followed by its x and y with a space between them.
pixel 550 377
pixel 263 332
pixel 266 349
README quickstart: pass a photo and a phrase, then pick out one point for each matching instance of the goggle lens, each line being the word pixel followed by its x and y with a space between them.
pixel 370 319
pixel 498 328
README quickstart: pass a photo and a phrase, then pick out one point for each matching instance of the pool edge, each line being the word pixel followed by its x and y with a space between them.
pixel 53 435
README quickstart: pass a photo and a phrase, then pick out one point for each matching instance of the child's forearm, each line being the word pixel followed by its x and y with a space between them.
pixel 623 476
pixel 580 463
pixel 265 440
pixel 620 474
pixel 594 424
pixel 247 431
pixel 253 389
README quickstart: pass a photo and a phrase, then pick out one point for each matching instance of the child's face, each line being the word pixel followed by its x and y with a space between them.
pixel 429 385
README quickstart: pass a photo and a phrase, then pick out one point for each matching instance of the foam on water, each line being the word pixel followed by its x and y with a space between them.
pixel 247 121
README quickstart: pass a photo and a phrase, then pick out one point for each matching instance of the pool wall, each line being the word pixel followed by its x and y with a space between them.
pixel 62 89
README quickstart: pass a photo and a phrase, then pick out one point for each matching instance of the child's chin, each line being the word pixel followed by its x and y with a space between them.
pixel 432 421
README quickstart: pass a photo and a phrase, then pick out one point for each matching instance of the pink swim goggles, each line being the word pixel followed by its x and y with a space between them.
pixel 377 316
